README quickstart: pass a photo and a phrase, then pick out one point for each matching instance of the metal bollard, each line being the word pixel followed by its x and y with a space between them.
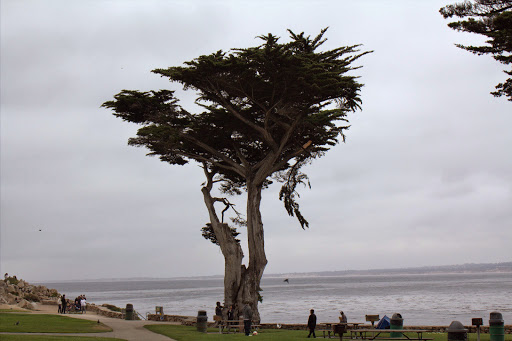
pixel 496 327
pixel 477 322
pixel 457 332
pixel 202 321
pixel 396 322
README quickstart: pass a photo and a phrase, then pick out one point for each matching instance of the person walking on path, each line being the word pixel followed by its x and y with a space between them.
pixel 64 303
pixel 312 323
pixel 247 313
pixel 59 301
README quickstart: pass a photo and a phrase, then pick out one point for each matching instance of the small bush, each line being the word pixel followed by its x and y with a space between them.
pixel 12 280
pixel 111 307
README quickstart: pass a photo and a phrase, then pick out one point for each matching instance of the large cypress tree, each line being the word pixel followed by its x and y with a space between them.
pixel 268 110
pixel 492 19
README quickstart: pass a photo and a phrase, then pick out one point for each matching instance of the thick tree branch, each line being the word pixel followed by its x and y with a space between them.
pixel 227 104
pixel 203 159
pixel 233 165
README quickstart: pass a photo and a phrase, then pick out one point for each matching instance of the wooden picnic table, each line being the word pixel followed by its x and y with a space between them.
pixel 328 327
pixel 373 334
pixel 236 325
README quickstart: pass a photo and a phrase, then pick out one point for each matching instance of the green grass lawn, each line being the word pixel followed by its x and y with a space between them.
pixel 6 337
pixel 184 333
pixel 36 323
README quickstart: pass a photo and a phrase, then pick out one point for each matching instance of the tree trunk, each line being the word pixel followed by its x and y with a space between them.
pixel 251 277
pixel 241 283
pixel 231 250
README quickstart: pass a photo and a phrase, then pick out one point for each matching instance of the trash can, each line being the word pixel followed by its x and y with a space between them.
pixel 202 321
pixel 396 322
pixel 339 329
pixel 496 327
pixel 129 312
pixel 457 332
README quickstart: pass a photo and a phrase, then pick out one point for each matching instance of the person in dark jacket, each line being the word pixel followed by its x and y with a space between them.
pixel 247 313
pixel 64 303
pixel 231 313
pixel 312 323
pixel 218 309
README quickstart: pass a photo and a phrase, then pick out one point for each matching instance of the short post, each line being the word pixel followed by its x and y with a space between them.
pixel 477 322
pixel 372 319
pixel 159 312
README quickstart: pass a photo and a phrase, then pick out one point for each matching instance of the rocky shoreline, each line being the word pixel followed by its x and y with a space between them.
pixel 17 293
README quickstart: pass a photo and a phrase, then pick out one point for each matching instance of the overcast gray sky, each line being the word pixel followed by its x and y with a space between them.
pixel 424 177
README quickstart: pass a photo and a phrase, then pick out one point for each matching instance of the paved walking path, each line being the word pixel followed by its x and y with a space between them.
pixel 122 329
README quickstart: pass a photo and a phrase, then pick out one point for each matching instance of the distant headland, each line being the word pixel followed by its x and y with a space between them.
pixel 444 269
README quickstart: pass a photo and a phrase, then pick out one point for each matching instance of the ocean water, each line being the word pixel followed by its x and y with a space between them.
pixel 426 299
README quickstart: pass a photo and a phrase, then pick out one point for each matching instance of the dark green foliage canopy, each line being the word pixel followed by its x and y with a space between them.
pixel 265 108
pixel 493 19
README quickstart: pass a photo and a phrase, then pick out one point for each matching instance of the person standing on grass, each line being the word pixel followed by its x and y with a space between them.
pixel 231 313
pixel 82 304
pixel 312 323
pixel 218 314
pixel 247 313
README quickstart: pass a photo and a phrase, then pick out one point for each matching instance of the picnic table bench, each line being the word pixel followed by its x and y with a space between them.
pixel 328 328
pixel 373 334
pixel 235 325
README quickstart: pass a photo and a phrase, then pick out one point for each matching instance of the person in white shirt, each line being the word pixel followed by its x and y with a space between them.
pixel 83 304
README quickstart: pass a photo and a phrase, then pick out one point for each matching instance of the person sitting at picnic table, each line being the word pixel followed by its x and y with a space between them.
pixel 343 317
pixel 312 323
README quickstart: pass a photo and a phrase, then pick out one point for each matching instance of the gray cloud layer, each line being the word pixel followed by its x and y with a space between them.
pixel 424 178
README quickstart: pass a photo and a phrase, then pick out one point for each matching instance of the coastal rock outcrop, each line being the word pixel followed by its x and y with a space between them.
pixel 14 291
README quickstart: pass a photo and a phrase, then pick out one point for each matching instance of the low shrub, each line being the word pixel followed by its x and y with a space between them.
pixel 111 307
pixel 12 280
